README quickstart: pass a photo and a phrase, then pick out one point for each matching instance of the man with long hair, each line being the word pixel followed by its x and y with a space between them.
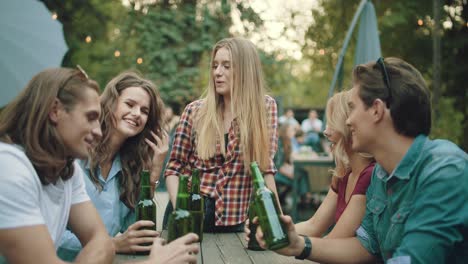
pixel 53 121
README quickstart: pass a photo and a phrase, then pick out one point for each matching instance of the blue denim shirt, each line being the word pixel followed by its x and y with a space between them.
pixel 419 213
pixel 115 214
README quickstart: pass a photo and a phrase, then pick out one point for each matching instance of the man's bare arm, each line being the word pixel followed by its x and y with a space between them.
pixel 28 244
pixel 85 222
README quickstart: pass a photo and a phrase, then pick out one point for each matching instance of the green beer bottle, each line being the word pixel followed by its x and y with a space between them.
pixel 145 208
pixel 267 210
pixel 197 207
pixel 180 220
pixel 253 243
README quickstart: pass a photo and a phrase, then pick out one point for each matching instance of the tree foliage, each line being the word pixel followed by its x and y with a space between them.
pixel 169 42
pixel 173 39
pixel 402 36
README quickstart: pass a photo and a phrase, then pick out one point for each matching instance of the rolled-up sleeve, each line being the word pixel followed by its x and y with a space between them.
pixel 182 146
pixel 366 233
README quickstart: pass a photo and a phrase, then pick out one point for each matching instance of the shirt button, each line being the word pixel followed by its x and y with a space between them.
pixel 389 192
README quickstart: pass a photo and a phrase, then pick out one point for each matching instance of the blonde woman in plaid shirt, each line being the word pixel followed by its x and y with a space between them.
pixel 232 125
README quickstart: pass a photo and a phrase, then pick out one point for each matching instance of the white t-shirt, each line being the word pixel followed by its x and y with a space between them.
pixel 24 201
pixel 309 125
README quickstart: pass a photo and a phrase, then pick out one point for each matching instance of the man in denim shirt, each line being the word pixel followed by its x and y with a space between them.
pixel 417 203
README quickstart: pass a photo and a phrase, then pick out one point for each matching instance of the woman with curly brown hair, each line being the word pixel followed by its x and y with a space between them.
pixel 343 208
pixel 133 139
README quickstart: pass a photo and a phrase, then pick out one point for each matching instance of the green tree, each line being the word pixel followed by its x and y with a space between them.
pixel 454 68
pixel 173 39
pixel 94 19
pixel 413 22
pixel 169 42
pixel 406 29
pixel 324 40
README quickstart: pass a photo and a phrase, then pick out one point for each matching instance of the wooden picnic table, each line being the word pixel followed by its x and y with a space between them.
pixel 223 248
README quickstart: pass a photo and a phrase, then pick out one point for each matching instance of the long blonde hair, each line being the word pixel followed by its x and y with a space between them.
pixel 247 104
pixel 135 154
pixel 337 113
pixel 25 121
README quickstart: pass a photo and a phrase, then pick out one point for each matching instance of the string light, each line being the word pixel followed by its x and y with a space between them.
pixel 139 60
pixel 322 52
pixel 54 16
pixel 420 22
pixel 117 53
pixel 88 39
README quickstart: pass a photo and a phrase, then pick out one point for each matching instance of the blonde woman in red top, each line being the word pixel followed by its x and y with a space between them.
pixel 345 204
pixel 343 208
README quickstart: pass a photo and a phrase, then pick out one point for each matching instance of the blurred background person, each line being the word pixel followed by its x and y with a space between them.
pixel 287 146
pixel 299 138
pixel 171 119
pixel 288 118
pixel 312 127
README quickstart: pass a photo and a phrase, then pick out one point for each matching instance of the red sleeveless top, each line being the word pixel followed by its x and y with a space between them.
pixel 360 188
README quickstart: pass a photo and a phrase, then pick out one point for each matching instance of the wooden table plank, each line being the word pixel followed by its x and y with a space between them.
pixel 210 252
pixel 225 248
pixel 231 249
pixel 269 257
pixel 124 258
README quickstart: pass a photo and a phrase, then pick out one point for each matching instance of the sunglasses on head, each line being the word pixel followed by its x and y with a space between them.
pixel 386 79
pixel 82 71
pixel 83 74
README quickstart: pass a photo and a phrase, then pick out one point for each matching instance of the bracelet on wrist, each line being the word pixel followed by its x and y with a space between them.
pixel 307 249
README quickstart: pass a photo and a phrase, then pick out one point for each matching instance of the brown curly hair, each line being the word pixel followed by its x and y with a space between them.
pixel 135 154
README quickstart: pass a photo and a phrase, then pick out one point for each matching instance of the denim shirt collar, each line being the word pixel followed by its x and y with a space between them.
pixel 116 168
pixel 407 164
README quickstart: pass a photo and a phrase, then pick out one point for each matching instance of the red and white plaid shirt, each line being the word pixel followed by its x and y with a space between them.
pixel 222 178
